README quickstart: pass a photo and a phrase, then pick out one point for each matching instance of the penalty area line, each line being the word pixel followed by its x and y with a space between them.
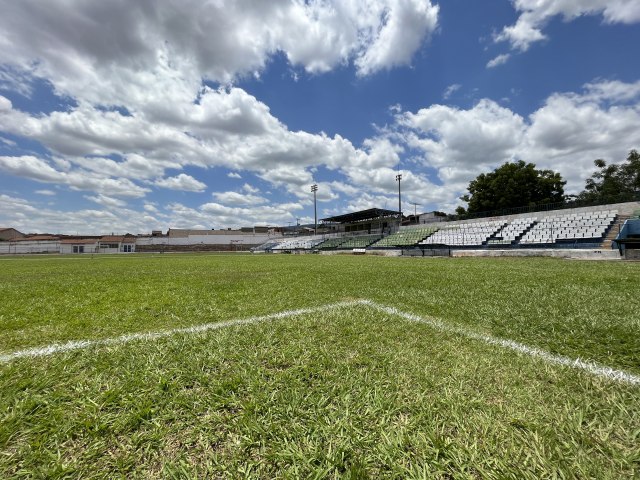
pixel 147 336
pixel 591 367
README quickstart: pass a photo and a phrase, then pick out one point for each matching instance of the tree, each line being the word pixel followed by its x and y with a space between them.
pixel 613 183
pixel 513 185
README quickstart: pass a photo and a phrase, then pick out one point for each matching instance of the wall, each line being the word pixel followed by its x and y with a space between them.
pixel 584 254
pixel 232 239
pixel 67 248
pixel 18 248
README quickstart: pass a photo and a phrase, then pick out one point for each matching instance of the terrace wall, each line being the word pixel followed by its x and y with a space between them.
pixel 585 254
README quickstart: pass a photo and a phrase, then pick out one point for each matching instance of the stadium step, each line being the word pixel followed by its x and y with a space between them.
pixel 613 231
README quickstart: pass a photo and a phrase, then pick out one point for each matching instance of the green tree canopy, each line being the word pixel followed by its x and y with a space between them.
pixel 613 183
pixel 512 185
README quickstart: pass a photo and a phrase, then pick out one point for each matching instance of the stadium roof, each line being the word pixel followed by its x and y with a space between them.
pixel 369 214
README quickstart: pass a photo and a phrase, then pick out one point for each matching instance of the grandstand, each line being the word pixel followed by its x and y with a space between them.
pixel 594 227
pixel 297 244
pixel 406 237
pixel 466 234
pixel 588 226
pixel 360 241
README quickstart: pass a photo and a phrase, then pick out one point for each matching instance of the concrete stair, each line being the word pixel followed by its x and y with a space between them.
pixel 613 231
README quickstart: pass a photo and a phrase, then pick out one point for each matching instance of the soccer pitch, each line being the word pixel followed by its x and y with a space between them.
pixel 179 366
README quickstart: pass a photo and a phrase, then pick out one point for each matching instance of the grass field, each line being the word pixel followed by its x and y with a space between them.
pixel 345 390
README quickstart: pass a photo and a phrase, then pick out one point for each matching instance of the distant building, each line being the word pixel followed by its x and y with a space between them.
pixel 10 234
pixel 79 245
pixel 117 244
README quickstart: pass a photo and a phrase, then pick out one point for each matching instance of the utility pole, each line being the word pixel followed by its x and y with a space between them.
pixel 314 189
pixel 398 178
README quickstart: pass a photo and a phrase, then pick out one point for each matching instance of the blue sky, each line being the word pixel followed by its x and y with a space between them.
pixel 126 117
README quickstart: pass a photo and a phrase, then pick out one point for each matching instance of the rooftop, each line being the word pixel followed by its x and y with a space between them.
pixel 370 214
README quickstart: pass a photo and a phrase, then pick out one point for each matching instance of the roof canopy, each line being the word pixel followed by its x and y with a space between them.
pixel 371 214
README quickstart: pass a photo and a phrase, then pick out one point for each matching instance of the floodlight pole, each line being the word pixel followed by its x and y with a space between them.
pixel 314 189
pixel 398 178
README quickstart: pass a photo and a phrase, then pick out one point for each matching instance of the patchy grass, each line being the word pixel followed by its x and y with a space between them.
pixel 348 393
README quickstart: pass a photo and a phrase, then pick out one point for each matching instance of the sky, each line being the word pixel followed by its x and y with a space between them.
pixel 127 117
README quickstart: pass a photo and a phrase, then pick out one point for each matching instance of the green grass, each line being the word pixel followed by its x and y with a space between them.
pixel 352 393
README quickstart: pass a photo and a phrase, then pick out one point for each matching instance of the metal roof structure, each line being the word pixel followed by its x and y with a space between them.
pixel 370 214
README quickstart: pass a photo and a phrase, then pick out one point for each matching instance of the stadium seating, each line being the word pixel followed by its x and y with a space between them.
pixel 572 227
pixel 465 234
pixel 266 247
pixel 405 238
pixel 332 243
pixel 361 241
pixel 583 228
pixel 511 232
pixel 297 244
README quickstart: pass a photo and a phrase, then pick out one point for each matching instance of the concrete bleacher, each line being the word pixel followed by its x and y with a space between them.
pixel 512 231
pixel 578 228
pixel 588 226
pixel 297 244
pixel 361 241
pixel 406 237
pixel 266 247
pixel 465 234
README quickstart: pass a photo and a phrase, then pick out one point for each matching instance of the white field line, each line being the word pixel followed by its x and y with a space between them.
pixel 593 368
pixel 82 344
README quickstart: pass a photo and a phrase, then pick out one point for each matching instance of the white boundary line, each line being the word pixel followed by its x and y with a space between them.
pixel 593 368
pixel 82 344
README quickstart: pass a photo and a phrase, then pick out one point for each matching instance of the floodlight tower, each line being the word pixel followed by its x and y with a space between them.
pixel 314 189
pixel 398 178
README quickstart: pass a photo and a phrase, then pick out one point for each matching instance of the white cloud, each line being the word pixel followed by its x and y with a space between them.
pixel 450 90
pixel 499 60
pixel 182 182
pixel 566 134
pixel 106 201
pixel 39 170
pixel 239 199
pixel 122 132
pixel 407 24
pixel 45 192
pixel 535 14
pixel 16 80
pixel 250 189
pixel 109 53
pixel 33 217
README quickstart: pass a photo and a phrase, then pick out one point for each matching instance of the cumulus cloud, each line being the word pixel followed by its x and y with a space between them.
pixel 407 23
pixel 535 14
pixel 106 201
pixel 239 199
pixel 133 45
pixel 499 60
pixel 117 136
pixel 250 189
pixel 566 134
pixel 183 182
pixel 37 169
